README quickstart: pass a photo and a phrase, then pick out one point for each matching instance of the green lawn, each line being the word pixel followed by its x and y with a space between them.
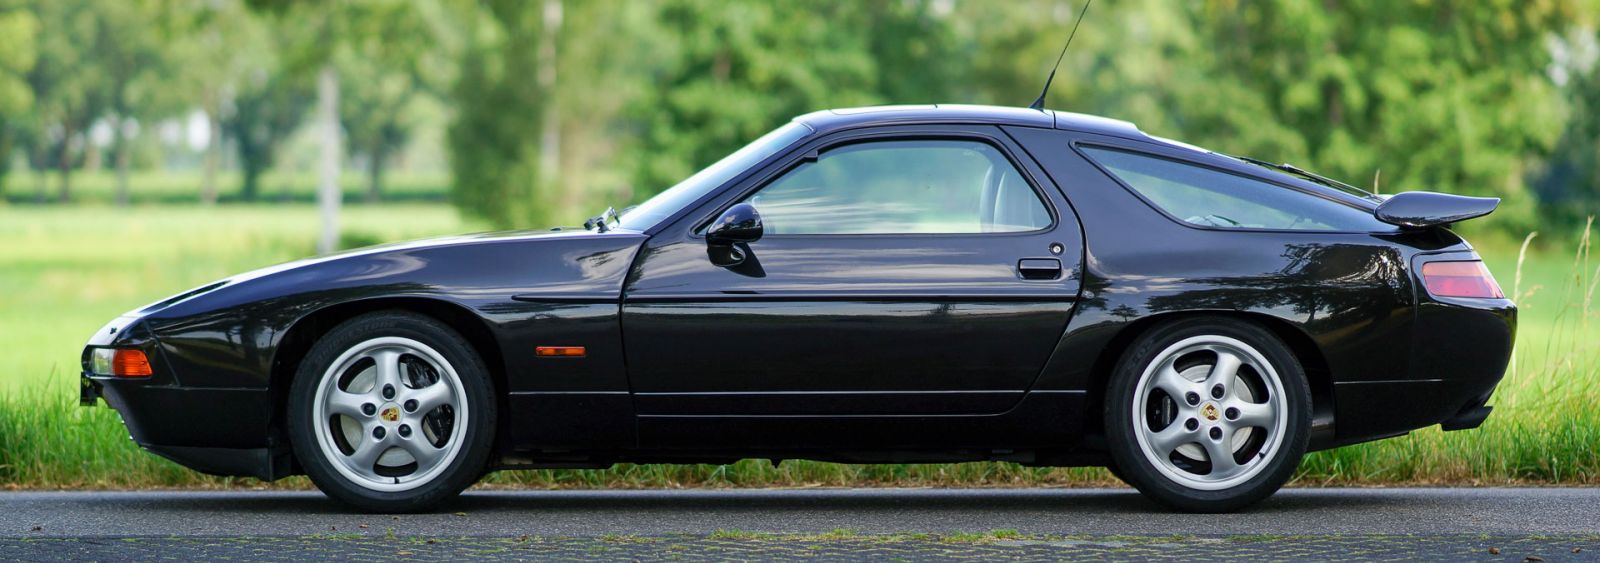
pixel 183 187
pixel 66 270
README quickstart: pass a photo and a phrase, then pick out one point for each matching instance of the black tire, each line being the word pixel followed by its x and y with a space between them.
pixel 1117 472
pixel 1134 466
pixel 479 423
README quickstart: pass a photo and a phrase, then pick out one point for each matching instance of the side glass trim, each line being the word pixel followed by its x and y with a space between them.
pixel 798 157
pixel 1078 146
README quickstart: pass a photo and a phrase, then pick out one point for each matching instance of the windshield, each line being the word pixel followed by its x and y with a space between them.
pixel 666 203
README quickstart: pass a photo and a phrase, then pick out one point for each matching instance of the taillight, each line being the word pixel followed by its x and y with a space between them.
pixel 1460 279
pixel 121 363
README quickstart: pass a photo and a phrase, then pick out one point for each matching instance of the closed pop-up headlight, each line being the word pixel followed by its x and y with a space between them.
pixel 119 362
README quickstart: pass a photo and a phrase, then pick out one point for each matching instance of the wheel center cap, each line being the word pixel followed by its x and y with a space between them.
pixel 390 413
pixel 1209 411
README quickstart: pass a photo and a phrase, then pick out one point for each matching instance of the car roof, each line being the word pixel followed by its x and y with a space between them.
pixel 847 118
pixel 828 121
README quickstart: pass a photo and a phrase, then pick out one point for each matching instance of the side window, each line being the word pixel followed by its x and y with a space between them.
pixel 1212 198
pixel 899 187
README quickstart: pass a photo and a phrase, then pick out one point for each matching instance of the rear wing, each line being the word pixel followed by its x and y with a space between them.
pixel 1421 210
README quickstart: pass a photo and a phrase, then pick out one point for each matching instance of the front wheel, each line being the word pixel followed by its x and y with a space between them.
pixel 392 412
pixel 1208 414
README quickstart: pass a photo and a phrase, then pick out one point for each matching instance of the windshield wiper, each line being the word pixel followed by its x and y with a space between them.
pixel 1303 173
pixel 602 222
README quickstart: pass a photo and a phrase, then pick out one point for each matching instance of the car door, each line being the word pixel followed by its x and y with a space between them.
pixel 909 270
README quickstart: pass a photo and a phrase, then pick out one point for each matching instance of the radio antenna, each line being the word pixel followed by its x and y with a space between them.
pixel 1039 103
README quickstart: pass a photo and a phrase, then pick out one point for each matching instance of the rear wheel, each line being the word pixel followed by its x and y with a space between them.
pixel 1208 414
pixel 392 412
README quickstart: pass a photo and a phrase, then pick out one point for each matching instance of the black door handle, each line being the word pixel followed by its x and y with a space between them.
pixel 1039 268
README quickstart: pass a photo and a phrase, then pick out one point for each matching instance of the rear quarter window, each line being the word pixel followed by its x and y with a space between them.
pixel 1212 198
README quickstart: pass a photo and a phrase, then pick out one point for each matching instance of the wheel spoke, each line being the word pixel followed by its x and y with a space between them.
pixel 1173 383
pixel 388 369
pixel 346 403
pixel 1253 415
pixel 1220 454
pixel 1225 370
pixel 422 451
pixel 432 396
pixel 367 453
pixel 1170 438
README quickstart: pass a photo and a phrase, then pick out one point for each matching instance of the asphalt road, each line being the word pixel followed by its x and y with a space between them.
pixel 1568 512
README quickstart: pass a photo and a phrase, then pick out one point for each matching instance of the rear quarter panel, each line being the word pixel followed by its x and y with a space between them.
pixel 1349 295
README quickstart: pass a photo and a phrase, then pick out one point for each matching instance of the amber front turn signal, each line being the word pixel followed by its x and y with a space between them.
pixel 560 351
pixel 130 363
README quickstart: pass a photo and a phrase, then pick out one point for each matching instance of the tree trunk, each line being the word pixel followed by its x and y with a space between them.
pixel 550 126
pixel 91 153
pixel 208 186
pixel 6 142
pixel 375 158
pixel 64 162
pixel 39 165
pixel 250 178
pixel 328 193
pixel 120 142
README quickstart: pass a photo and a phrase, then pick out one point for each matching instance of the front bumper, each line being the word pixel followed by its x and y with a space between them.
pixel 88 390
pixel 213 431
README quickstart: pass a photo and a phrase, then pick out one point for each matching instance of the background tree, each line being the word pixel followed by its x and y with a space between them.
pixel 386 54
pixel 270 101
pixel 222 46
pixel 1568 183
pixel 556 108
pixel 18 28
pixel 266 109
pixel 324 30
pixel 494 141
pixel 133 55
pixel 68 83
pixel 734 71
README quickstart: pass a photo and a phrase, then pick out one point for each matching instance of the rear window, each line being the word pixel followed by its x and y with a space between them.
pixel 1212 198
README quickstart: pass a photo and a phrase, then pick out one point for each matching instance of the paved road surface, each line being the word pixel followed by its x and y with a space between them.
pixel 1552 523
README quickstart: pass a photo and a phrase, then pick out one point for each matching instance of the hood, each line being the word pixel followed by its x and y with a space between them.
pixel 360 253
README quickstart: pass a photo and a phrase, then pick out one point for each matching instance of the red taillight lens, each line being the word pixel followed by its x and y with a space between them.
pixel 1460 279
pixel 130 363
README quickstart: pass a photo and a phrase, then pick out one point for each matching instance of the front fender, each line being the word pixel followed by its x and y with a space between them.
pixel 228 336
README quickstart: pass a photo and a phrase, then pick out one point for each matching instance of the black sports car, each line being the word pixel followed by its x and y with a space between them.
pixel 880 285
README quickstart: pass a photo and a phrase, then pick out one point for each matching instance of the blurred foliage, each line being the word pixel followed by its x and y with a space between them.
pixel 548 110
pixel 501 106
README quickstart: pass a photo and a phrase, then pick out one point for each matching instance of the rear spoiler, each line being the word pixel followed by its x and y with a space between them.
pixel 1421 210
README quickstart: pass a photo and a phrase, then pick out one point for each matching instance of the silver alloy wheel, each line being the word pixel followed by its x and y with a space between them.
pixel 1209 412
pixel 389 414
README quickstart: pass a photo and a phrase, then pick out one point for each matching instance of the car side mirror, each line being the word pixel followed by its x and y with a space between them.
pixel 740 223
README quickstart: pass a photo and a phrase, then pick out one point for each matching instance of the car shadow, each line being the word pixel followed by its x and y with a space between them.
pixel 1061 502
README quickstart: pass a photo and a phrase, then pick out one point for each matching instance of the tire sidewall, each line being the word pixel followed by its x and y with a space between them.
pixel 1142 473
pixel 479 425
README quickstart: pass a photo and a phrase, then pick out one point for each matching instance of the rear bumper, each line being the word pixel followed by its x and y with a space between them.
pixel 211 430
pixel 1462 348
pixel 1467 419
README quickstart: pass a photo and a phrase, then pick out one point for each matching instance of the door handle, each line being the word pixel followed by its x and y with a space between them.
pixel 1039 268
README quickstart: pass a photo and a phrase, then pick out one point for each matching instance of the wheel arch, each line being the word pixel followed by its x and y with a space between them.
pixel 1318 376
pixel 299 338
